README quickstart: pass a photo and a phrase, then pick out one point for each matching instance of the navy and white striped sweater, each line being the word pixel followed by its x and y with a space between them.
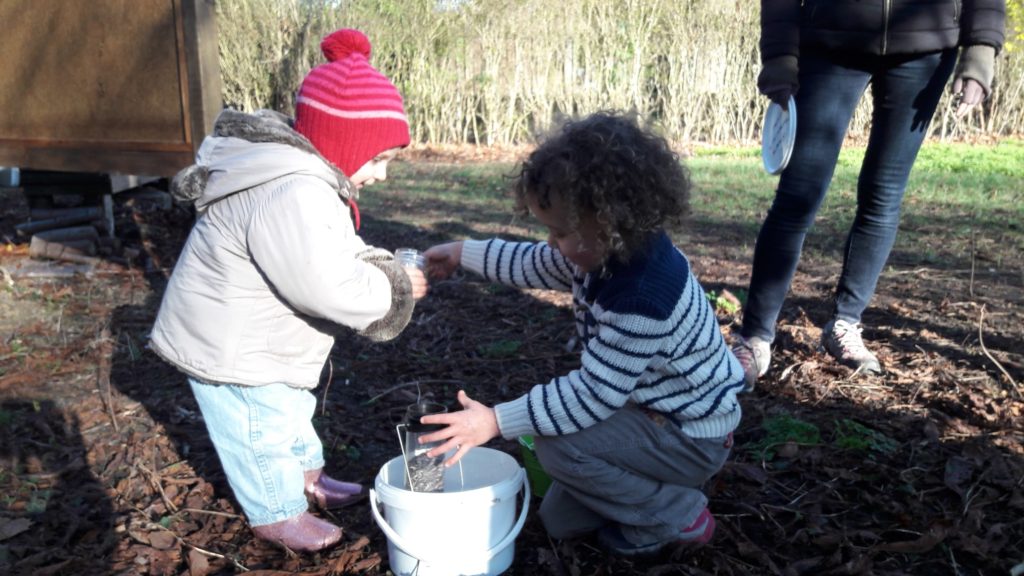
pixel 649 336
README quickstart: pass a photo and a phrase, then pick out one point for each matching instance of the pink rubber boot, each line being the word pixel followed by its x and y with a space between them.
pixel 330 493
pixel 302 533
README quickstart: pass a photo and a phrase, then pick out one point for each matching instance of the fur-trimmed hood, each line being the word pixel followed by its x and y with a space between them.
pixel 246 150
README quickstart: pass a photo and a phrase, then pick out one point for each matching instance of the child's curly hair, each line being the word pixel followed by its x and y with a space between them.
pixel 606 163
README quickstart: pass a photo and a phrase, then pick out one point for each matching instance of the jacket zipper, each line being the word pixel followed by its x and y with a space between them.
pixel 958 4
pixel 886 6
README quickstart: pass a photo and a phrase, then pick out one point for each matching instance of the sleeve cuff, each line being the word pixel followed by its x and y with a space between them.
pixel 977 62
pixel 473 255
pixel 514 418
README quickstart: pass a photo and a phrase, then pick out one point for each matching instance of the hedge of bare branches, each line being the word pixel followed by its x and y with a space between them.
pixel 497 72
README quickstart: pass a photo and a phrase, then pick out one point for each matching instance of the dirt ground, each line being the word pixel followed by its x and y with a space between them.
pixel 106 468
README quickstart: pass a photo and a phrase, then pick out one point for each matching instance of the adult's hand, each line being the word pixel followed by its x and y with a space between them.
pixel 778 79
pixel 472 426
pixel 972 80
pixel 971 93
pixel 443 260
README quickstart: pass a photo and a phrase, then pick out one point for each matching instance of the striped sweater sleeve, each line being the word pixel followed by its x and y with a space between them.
pixel 611 365
pixel 677 364
pixel 522 264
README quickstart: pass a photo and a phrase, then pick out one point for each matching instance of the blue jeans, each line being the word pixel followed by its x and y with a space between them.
pixel 265 440
pixel 905 91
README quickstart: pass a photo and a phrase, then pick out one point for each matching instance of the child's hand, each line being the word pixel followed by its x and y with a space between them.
pixel 443 260
pixel 472 426
pixel 418 280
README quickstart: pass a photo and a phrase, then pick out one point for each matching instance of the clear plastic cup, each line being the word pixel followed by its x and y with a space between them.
pixel 425 474
pixel 411 258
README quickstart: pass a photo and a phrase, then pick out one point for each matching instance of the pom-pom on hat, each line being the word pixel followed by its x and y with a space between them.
pixel 346 108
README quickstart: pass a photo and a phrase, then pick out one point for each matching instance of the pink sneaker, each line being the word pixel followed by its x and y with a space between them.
pixel 696 535
pixel 700 532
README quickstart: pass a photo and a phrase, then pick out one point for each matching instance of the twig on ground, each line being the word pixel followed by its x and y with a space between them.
pixel 828 391
pixel 60 322
pixel 914 272
pixel 956 436
pixel 981 342
pixel 211 513
pixel 106 350
pixel 407 384
pixel 154 481
pixel 766 508
pixel 789 369
pixel 560 566
pixel 972 492
pixel 952 560
pixel 330 377
pixel 970 286
pixel 486 359
pixel 182 541
pixel 181 481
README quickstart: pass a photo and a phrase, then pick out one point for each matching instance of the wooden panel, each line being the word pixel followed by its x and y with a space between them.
pixel 110 85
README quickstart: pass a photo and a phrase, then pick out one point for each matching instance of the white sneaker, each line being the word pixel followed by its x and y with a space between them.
pixel 842 340
pixel 754 354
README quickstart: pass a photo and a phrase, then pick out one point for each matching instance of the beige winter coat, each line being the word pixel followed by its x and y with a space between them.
pixel 270 272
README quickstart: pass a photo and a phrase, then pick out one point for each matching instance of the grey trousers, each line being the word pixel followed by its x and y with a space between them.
pixel 636 469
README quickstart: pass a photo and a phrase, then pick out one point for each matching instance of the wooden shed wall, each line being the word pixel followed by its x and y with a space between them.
pixel 128 86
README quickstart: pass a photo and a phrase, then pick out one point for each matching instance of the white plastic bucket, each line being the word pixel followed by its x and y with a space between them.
pixel 468 529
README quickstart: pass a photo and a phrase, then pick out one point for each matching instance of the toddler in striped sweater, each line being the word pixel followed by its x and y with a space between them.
pixel 631 435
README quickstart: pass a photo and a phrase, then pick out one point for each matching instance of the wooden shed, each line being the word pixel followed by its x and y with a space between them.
pixel 106 86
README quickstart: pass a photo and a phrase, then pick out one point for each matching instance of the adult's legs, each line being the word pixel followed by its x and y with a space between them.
pixel 828 95
pixel 905 93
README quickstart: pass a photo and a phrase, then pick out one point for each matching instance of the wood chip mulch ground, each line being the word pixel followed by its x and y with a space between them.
pixel 105 466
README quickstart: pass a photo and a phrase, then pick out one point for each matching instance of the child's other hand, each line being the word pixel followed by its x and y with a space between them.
pixel 443 260
pixel 418 280
pixel 472 426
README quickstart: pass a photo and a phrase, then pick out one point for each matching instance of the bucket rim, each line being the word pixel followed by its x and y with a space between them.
pixel 504 488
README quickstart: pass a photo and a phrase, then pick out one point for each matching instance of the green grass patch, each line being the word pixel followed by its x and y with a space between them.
pixel 852 435
pixel 984 178
pixel 500 349
pixel 960 198
pixel 724 304
pixel 849 435
pixel 38 501
pixel 779 430
pixel 1003 159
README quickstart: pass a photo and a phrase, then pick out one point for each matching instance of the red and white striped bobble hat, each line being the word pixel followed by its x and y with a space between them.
pixel 346 108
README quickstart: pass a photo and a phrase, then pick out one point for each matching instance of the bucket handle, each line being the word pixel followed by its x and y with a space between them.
pixel 411 550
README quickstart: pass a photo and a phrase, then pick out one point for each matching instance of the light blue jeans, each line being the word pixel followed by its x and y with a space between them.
pixel 265 440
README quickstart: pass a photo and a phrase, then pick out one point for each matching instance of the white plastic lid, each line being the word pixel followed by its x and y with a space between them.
pixel 777 136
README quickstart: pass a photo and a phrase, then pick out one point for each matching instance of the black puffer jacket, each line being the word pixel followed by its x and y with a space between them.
pixel 879 26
